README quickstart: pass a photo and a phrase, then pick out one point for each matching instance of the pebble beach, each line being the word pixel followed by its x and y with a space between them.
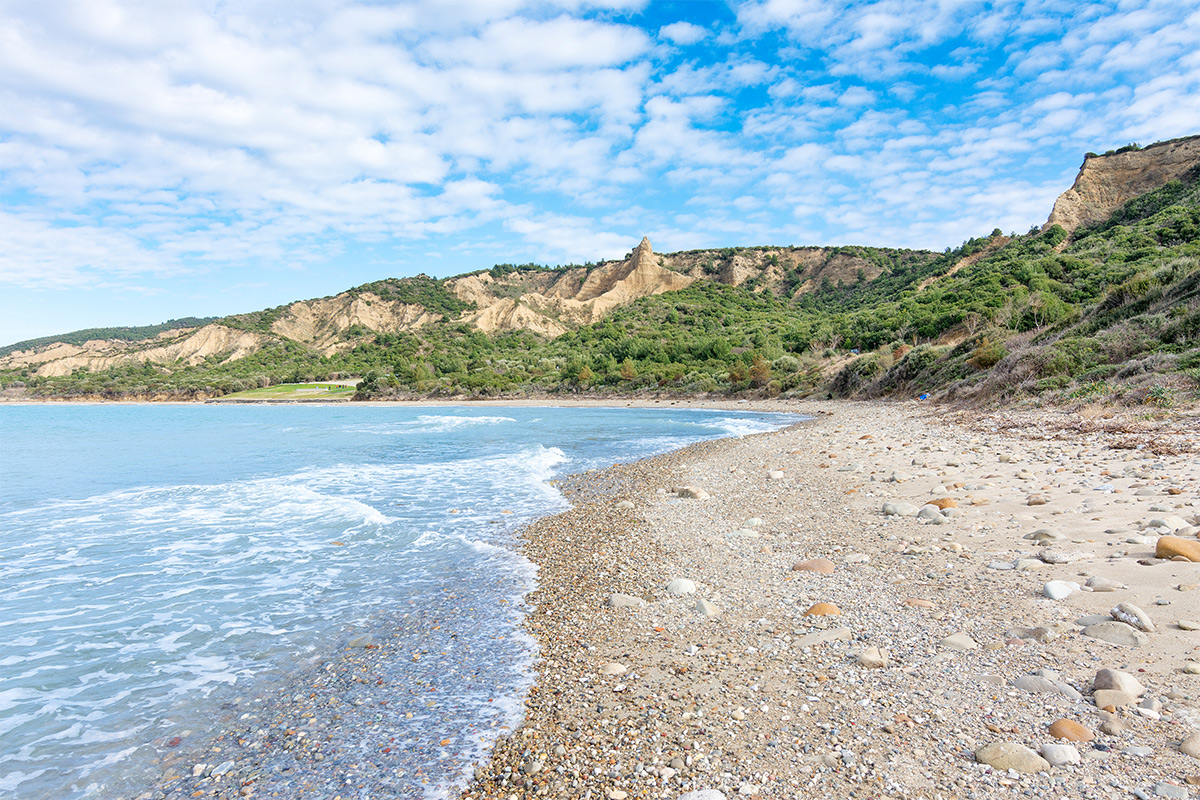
pixel 886 601
pixel 744 618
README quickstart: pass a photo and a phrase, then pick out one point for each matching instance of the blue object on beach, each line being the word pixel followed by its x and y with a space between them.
pixel 923 397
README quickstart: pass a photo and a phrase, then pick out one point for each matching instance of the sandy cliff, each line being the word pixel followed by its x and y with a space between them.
pixel 550 303
pixel 1107 182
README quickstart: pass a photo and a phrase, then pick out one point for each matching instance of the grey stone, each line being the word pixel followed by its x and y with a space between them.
pixel 1171 790
pixel 1098 584
pixel 706 609
pixel 1116 633
pixel 1041 685
pixel 618 600
pixel 900 510
pixel 703 794
pixel 1191 745
pixel 1121 681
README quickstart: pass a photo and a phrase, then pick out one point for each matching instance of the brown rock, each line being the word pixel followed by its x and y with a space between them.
pixel 944 502
pixel 821 565
pixel 1171 546
pixel 823 610
pixel 1070 730
pixel 1036 500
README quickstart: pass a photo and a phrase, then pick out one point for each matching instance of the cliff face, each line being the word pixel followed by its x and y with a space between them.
pixel 551 303
pixel 1105 183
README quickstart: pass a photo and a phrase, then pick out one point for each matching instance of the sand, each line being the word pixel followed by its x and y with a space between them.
pixel 740 688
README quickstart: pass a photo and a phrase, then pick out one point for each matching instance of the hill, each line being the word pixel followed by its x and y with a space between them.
pixel 1105 305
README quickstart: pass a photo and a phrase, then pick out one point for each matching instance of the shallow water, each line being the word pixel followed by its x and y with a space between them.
pixel 156 559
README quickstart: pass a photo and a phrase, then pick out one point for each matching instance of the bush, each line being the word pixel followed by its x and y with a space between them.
pixel 987 354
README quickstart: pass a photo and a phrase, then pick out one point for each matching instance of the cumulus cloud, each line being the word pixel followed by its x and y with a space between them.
pixel 144 140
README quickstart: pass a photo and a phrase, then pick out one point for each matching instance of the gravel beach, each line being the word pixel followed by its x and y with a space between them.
pixel 743 618
pixel 887 601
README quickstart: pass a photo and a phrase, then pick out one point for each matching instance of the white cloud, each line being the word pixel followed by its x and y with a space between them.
pixel 683 33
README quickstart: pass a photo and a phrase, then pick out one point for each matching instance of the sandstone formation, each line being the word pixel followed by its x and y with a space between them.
pixel 1107 182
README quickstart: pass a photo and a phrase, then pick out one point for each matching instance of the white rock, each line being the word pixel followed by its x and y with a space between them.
pixel 618 600
pixel 703 794
pixel 900 510
pixel 1118 680
pixel 1060 754
pixel 1059 590
pixel 625 505
pixel 681 586
pixel 706 609
pixel 613 668
pixel 1132 615
pixel 873 658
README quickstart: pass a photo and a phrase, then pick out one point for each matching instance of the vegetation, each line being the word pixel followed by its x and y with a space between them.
pixel 1112 311
pixel 136 334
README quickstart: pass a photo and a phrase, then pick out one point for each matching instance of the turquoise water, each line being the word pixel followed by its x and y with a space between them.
pixel 156 559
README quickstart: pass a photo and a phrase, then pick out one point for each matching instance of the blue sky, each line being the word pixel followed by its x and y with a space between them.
pixel 161 160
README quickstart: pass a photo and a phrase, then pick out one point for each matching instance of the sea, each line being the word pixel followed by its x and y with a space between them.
pixel 157 560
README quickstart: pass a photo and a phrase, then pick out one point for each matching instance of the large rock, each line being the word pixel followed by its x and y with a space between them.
pixel 823 637
pixel 618 600
pixel 1058 755
pixel 1070 730
pixel 1132 615
pixel 821 565
pixel 1116 633
pixel 959 641
pixel 1121 681
pixel 1112 698
pixel 1173 546
pixel 1039 685
pixel 823 610
pixel 1010 755
pixel 900 510
pixel 681 586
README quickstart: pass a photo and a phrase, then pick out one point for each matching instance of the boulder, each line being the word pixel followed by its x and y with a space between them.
pixel 1173 546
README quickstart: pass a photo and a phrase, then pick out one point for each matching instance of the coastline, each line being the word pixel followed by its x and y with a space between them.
pixel 771 697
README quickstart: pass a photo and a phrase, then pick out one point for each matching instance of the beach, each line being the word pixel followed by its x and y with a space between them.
pixel 820 648
pixel 742 618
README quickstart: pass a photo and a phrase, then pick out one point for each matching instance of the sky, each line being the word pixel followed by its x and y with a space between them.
pixel 162 160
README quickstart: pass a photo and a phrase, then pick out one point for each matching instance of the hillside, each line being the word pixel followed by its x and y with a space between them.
pixel 1106 309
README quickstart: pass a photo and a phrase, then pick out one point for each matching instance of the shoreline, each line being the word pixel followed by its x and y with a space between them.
pixel 242 756
pixel 941 641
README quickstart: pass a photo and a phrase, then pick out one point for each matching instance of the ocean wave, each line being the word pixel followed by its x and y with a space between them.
pixel 426 424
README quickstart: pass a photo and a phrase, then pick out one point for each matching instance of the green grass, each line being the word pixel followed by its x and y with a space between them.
pixel 296 391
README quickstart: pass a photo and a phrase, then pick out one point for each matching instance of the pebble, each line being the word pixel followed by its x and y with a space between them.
pixel 821 565
pixel 692 493
pixel 703 794
pixel 1171 790
pixel 1192 668
pixel 1098 584
pixel 706 609
pixel 1188 625
pixel 613 668
pixel 900 510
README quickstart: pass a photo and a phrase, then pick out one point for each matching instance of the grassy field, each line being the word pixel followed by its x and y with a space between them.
pixel 297 391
